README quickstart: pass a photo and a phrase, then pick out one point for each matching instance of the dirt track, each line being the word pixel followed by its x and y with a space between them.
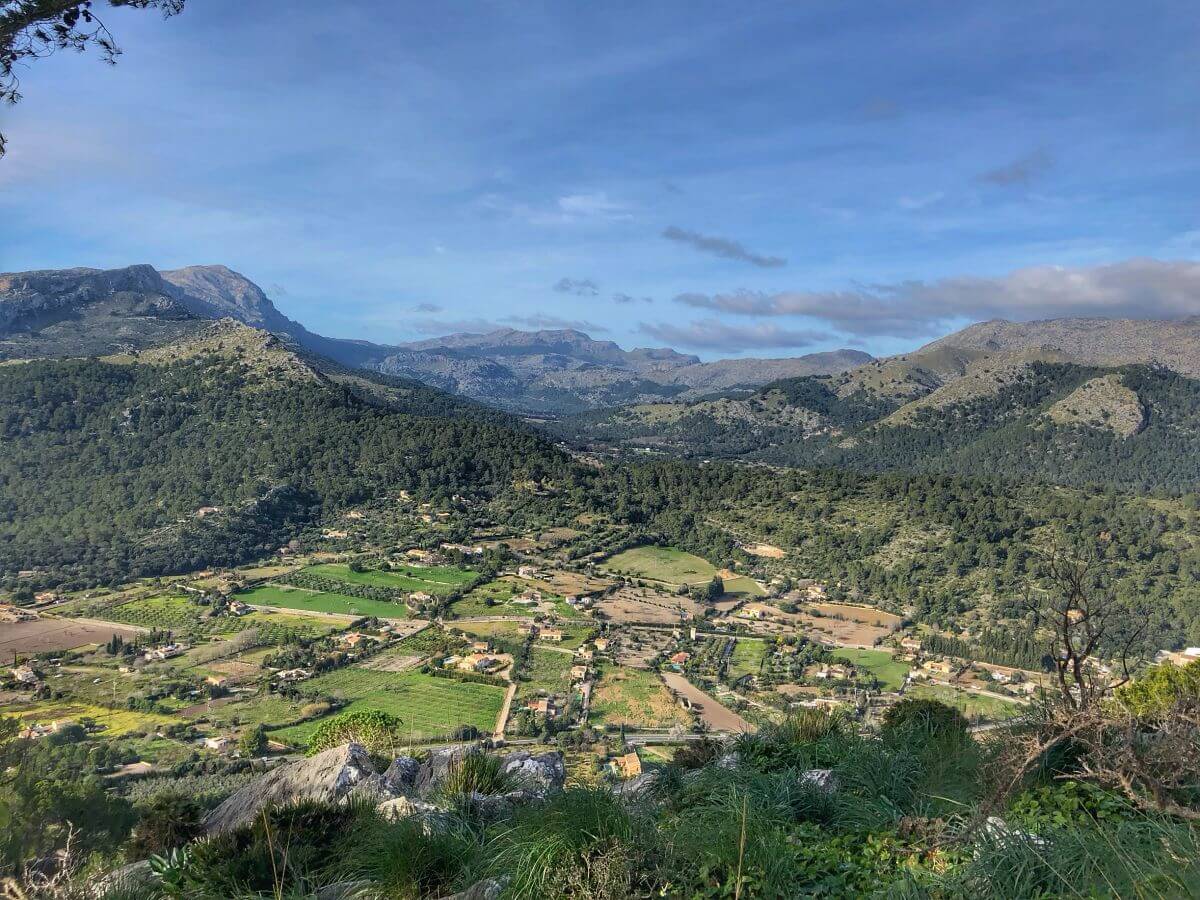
pixel 715 716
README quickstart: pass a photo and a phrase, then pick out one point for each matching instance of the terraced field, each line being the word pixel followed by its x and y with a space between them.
pixel 430 579
pixel 664 564
pixel 286 597
pixel 430 707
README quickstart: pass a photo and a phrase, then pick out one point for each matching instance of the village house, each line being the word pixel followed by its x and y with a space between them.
pixel 911 644
pixel 627 766
pixel 238 608
pixel 219 743
pixel 354 638
pixel 601 644
pixel 579 673
pixel 167 651
pixel 680 658
pixel 481 663
pixel 481 646
pixel 1180 658
pixel 550 634
pixel 289 675
pixel 527 572
pixel 939 667
pixel 542 706
pixel 584 655
pixel 26 675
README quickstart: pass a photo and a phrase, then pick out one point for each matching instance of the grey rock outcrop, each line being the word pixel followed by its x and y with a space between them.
pixel 329 776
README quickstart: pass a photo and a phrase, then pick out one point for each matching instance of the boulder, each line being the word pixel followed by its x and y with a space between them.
pixel 401 775
pixel 405 807
pixel 488 889
pixel 541 773
pixel 821 779
pixel 432 772
pixel 636 787
pixel 329 776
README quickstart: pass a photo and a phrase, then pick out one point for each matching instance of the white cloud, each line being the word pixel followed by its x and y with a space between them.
pixel 1135 288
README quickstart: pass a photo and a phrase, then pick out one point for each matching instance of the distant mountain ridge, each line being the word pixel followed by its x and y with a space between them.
pixel 75 312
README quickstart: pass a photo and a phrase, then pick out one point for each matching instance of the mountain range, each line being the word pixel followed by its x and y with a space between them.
pixel 74 312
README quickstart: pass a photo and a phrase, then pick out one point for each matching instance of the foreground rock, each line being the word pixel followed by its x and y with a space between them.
pixel 408 787
pixel 329 776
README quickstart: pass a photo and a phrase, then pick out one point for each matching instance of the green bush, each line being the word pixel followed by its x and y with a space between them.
pixel 378 731
pixel 923 715
pixel 165 822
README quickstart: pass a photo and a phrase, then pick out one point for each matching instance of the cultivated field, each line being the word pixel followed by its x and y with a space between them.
pixel 114 721
pixel 880 663
pixel 715 716
pixel 430 579
pixel 430 707
pixel 634 604
pixel 867 615
pixel 747 657
pixel 635 698
pixel 665 564
pixel 286 597
pixel 44 635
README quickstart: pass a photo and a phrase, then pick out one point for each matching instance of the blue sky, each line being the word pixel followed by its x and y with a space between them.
pixel 752 178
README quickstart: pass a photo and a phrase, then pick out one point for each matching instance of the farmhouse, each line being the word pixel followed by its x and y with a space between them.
pixel 26 675
pixel 481 646
pixel 601 644
pixel 480 662
pixel 910 644
pixel 527 572
pixel 550 634
pixel 627 766
pixel 579 673
pixel 939 667
pixel 167 651
pixel 292 675
pixel 543 706
pixel 680 658
pixel 217 743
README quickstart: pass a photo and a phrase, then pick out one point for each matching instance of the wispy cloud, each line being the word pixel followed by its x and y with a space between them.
pixel 594 208
pixel 427 308
pixel 541 320
pixel 1136 289
pixel 713 334
pixel 723 247
pixel 628 298
pixel 1020 172
pixel 581 287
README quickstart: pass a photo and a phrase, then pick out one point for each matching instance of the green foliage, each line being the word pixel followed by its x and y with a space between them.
pixel 254 741
pixel 475 772
pixel 930 717
pixel 165 822
pixel 378 731
pixel 1161 689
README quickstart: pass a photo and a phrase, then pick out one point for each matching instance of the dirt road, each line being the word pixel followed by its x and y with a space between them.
pixel 715 716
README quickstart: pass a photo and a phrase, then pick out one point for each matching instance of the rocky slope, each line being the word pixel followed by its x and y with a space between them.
pixel 84 312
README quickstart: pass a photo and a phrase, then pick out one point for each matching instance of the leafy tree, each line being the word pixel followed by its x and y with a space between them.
pixel 254 741
pixel 31 29
pixel 378 731
pixel 918 714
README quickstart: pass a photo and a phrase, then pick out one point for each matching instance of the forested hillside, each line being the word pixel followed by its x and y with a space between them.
pixel 1134 428
pixel 113 469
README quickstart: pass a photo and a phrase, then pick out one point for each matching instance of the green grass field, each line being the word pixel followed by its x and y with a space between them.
pixel 636 698
pixel 664 564
pixel 743 586
pixel 747 655
pixel 973 706
pixel 429 707
pixel 116 722
pixel 430 579
pixel 547 670
pixel 879 663
pixel 286 597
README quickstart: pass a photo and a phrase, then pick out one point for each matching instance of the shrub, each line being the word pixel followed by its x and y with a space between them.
pixel 165 822
pixel 474 772
pixel 923 715
pixel 378 731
